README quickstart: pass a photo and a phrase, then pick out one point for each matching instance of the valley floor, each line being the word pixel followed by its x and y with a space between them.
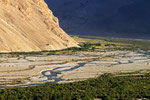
pixel 95 56
pixel 42 69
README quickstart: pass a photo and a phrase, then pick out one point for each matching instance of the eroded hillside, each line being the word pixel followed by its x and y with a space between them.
pixel 29 25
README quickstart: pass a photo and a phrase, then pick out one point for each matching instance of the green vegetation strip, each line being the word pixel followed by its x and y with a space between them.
pixel 106 87
pixel 124 44
pixel 142 44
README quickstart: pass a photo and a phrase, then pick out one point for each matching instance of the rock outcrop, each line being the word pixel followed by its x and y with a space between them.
pixel 29 25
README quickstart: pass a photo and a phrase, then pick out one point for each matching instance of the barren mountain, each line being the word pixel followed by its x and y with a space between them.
pixel 29 25
pixel 110 18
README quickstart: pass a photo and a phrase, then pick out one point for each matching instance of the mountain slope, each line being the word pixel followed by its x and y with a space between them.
pixel 29 25
pixel 112 18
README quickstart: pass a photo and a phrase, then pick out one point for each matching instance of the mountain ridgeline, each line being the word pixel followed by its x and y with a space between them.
pixel 29 25
pixel 109 18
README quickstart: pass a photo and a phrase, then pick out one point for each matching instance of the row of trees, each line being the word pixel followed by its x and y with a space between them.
pixel 105 87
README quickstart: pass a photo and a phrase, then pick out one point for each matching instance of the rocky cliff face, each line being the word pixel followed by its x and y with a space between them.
pixel 29 25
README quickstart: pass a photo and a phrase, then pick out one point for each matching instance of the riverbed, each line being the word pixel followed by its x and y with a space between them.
pixel 37 70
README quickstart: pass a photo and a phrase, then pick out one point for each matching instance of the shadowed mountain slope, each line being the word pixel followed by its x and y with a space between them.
pixel 111 18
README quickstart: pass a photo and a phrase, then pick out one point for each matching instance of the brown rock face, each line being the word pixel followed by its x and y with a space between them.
pixel 29 25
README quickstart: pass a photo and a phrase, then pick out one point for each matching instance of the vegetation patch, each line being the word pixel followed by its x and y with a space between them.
pixel 105 87
pixel 93 44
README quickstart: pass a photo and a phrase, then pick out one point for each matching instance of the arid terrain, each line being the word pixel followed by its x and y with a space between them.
pixel 101 66
pixel 29 31
pixel 39 69
pixel 29 25
pixel 40 61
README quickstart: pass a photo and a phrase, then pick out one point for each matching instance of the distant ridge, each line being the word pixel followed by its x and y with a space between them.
pixel 107 18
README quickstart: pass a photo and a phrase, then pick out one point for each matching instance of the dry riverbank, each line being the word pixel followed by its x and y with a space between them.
pixel 35 70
